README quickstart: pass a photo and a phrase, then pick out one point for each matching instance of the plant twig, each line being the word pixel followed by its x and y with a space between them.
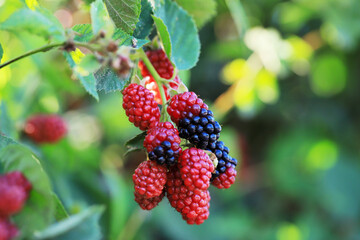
pixel 41 49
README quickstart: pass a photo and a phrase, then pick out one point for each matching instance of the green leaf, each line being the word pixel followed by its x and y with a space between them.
pixel 119 199
pixel 144 26
pixel 82 226
pixel 89 82
pixel 39 209
pixel 1 52
pixel 39 22
pixel 124 13
pixel 88 65
pixel 184 38
pixel 6 124
pixel 60 212
pixel 108 81
pixel 163 34
pixel 85 31
pixel 128 40
pixel 5 141
pixel 136 143
pixel 100 19
pixel 201 10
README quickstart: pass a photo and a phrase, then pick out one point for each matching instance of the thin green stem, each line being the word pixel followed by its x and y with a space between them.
pixel 41 49
pixel 238 14
pixel 154 73
pixel 91 47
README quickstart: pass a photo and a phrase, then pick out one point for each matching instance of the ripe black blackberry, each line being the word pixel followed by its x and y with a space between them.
pixel 201 130
pixel 224 159
pixel 164 154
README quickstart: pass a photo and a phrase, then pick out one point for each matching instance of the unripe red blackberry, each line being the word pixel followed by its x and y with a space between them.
pixel 195 169
pixel 140 106
pixel 16 178
pixel 193 205
pixel 183 105
pixel 45 128
pixel 148 203
pixel 165 70
pixel 12 199
pixel 149 179
pixel 226 179
pixel 162 143
pixel 8 231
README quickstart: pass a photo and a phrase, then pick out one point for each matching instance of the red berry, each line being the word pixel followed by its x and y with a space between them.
pixel 140 106
pixel 16 178
pixel 183 105
pixel 226 179
pixel 162 142
pixel 165 70
pixel 193 205
pixel 45 128
pixel 12 199
pixel 149 179
pixel 148 203
pixel 195 169
pixel 8 231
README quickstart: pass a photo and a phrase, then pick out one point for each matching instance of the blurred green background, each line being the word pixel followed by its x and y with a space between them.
pixel 282 78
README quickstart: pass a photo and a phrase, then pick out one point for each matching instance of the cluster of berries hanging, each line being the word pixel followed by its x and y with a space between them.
pixel 183 175
pixel 14 191
pixel 45 128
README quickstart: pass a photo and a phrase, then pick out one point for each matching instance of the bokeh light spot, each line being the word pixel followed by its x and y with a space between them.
pixel 328 75
pixel 288 231
pixel 322 155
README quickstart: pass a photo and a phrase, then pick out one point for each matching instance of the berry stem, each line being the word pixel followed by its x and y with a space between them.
pixel 41 49
pixel 154 73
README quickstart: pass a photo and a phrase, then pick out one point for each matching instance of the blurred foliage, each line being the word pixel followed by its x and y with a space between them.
pixel 283 77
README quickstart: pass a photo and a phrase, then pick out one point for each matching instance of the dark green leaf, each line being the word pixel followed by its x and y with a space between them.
pixel 144 26
pixel 137 141
pixel 100 19
pixel 85 31
pixel 39 209
pixel 108 81
pixel 185 48
pixel 124 13
pixel 89 82
pixel 6 124
pixel 60 212
pixel 135 144
pixel 39 22
pixel 82 226
pixel 201 10
pixel 1 52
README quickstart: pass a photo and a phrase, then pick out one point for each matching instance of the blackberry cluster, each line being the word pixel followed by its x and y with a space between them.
pixel 201 130
pixel 224 159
